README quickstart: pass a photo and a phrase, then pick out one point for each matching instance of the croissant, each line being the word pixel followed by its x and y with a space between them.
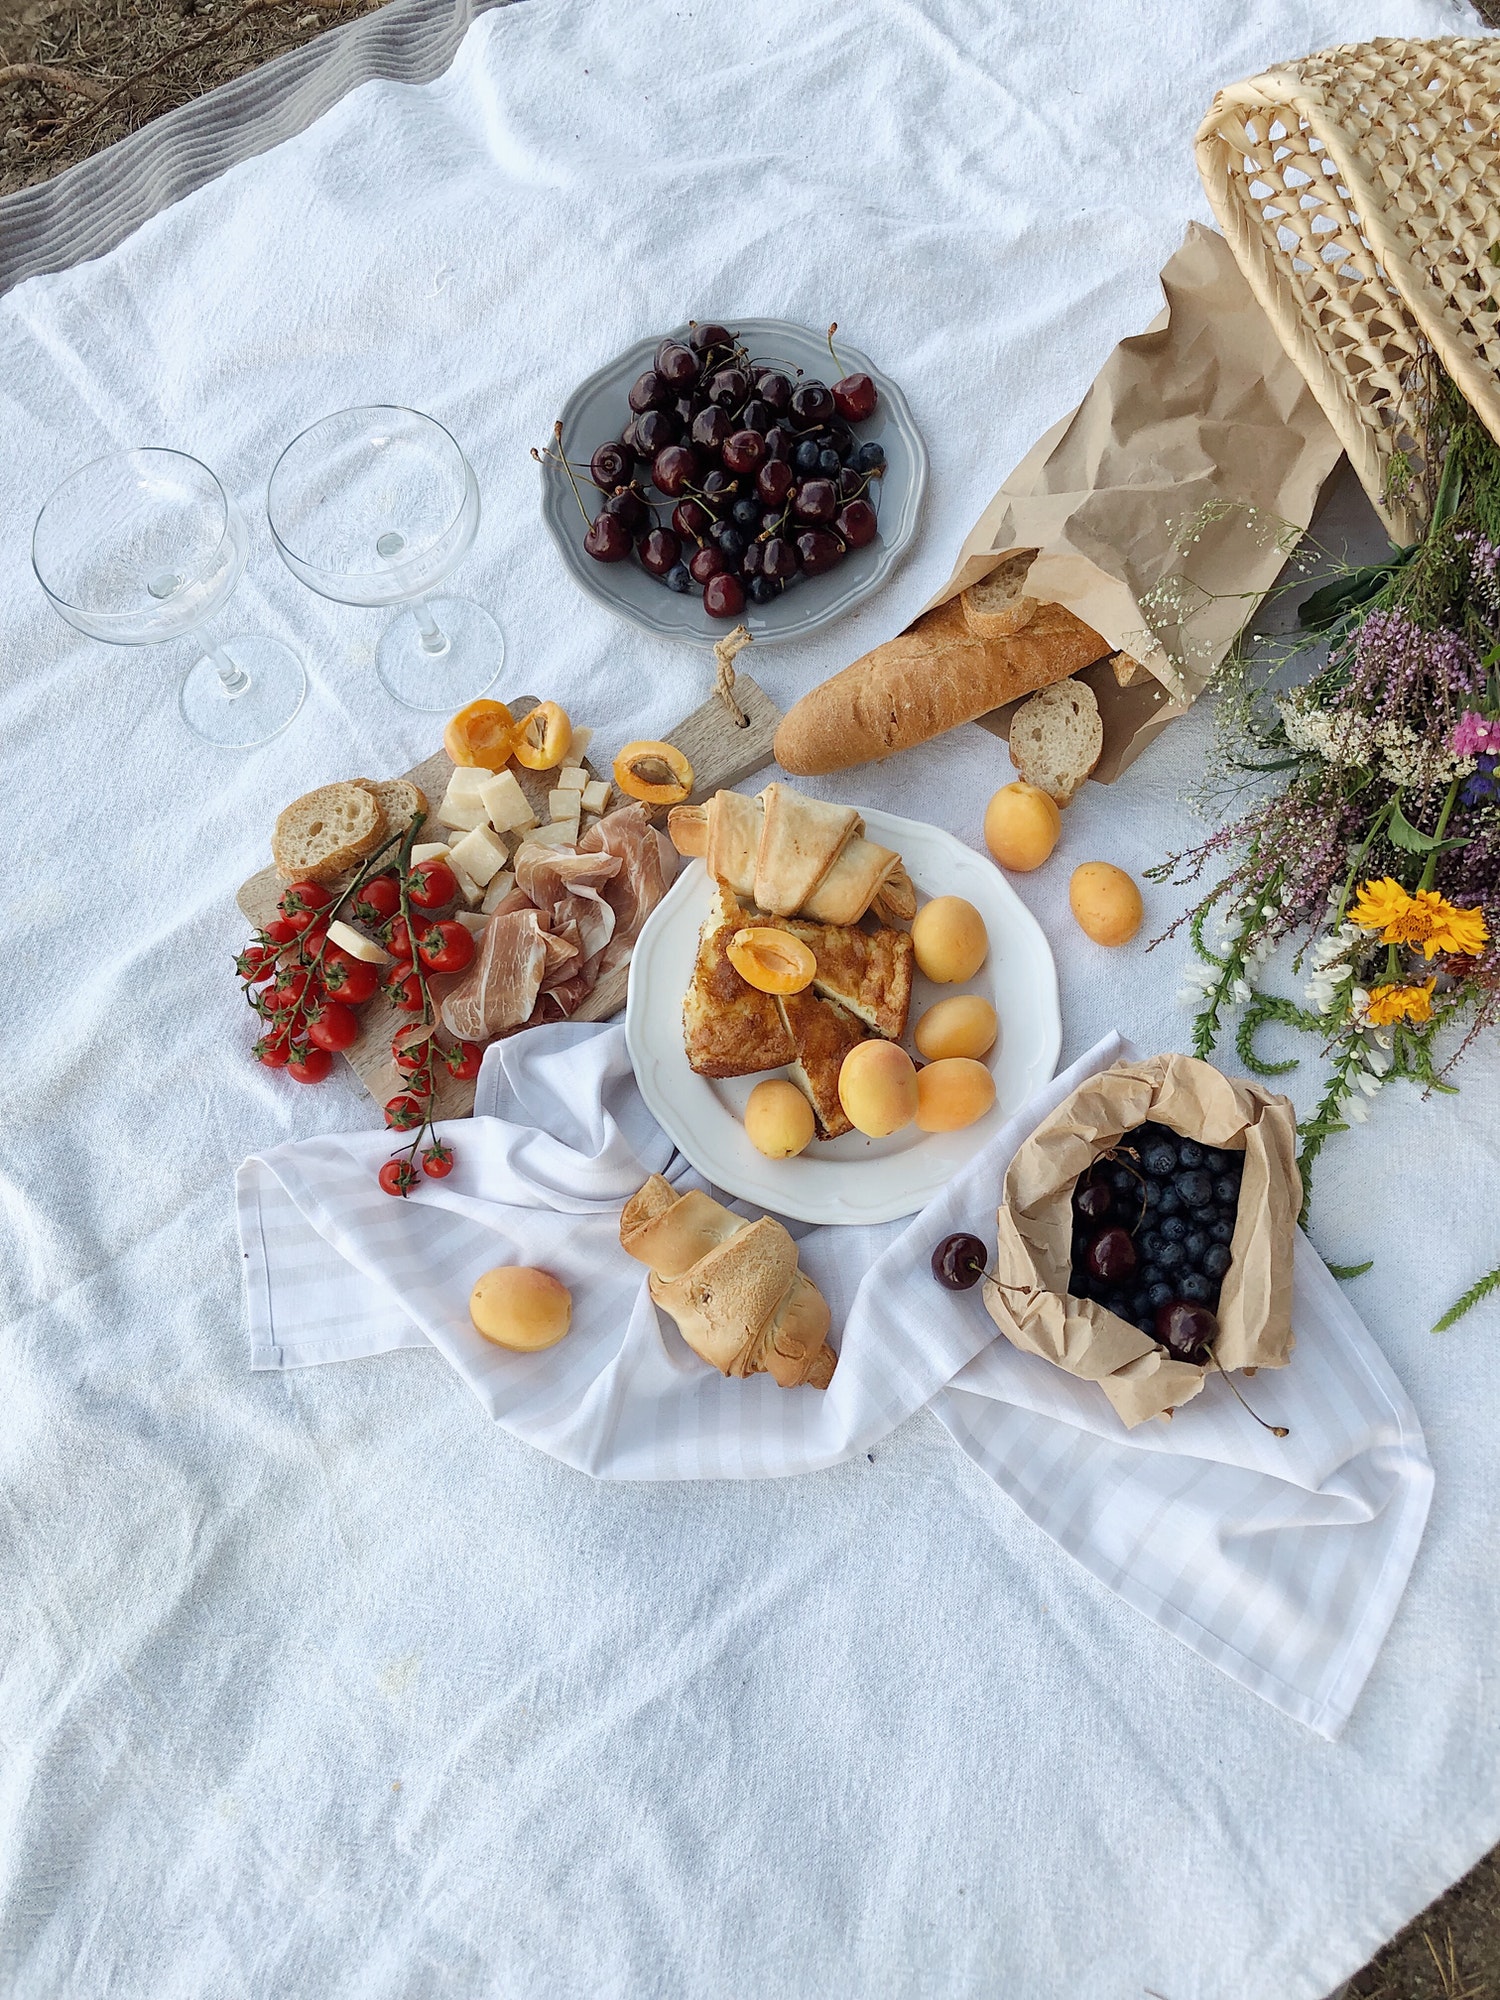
pixel 791 856
pixel 732 1286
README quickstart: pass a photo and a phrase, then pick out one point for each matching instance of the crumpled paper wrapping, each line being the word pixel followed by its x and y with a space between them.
pixel 1204 413
pixel 1028 1295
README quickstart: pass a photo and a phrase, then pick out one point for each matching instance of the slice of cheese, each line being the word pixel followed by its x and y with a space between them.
pixel 561 833
pixel 578 745
pixel 475 922
pixel 462 815
pixel 596 796
pixel 347 938
pixel 506 806
pixel 468 888
pixel 429 850
pixel 572 778
pixel 564 804
pixel 480 855
pixel 500 887
pixel 468 781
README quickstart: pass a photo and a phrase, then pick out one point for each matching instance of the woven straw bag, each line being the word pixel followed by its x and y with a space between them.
pixel 1360 192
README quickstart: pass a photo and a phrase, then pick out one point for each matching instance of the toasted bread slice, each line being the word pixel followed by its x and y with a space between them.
pixel 1057 738
pixel 399 801
pixel 728 1028
pixel 823 1034
pixel 869 974
pixel 324 833
pixel 997 607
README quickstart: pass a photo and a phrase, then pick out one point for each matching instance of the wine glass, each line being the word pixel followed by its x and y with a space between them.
pixel 144 546
pixel 377 506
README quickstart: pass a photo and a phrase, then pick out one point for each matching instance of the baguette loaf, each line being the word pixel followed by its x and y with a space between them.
pixel 933 677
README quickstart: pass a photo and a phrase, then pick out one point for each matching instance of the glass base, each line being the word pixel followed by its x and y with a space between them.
pixel 275 689
pixel 472 655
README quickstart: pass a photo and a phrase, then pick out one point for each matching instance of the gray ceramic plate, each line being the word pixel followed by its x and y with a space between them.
pixel 597 410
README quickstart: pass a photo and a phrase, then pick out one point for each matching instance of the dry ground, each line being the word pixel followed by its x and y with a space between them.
pixel 77 74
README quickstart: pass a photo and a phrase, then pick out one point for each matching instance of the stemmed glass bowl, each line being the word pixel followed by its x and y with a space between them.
pixel 145 546
pixel 377 506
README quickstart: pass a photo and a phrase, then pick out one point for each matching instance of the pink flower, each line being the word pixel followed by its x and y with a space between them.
pixel 1475 736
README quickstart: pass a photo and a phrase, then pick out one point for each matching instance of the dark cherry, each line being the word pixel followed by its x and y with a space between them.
pixel 690 520
pixel 685 409
pixel 779 559
pixel 958 1262
pixel 1185 1330
pixel 729 388
pixel 674 469
pixel 659 551
pixel 711 427
pixel 774 481
pixel 757 416
pixel 816 501
pixel 709 335
pixel 723 597
pixel 753 559
pixel 774 390
pixel 608 539
pixel 677 365
pixel 720 484
pixel 632 443
pixel 630 507
pixel 812 404
pixel 857 523
pixel 1111 1256
pixel 610 466
pixel 780 442
pixel 656 429
pixel 819 551
pixel 1093 1201
pixel 706 563
pixel 851 484
pixel 855 398
pixel 744 451
pixel 650 392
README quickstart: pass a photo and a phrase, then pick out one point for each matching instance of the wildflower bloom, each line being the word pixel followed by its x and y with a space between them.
pixel 1476 736
pixel 1400 1003
pixel 1425 921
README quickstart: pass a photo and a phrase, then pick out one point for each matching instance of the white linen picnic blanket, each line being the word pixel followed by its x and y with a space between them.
pixel 317 1681
pixel 1281 1560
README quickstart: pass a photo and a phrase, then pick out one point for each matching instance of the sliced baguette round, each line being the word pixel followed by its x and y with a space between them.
pixel 1057 738
pixel 998 607
pixel 324 833
pixel 399 801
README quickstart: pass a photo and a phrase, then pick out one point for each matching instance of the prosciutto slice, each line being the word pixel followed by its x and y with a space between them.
pixel 499 991
pixel 642 878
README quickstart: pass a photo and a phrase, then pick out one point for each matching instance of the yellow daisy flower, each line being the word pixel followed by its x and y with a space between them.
pixel 1400 1003
pixel 1425 921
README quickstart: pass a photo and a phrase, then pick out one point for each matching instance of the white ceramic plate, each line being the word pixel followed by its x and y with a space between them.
pixel 853 1179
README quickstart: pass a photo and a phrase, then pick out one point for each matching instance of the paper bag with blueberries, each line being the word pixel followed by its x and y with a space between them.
pixel 1147 1233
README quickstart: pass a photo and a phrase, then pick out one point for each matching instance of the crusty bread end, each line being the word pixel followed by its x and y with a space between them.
pixel 998 607
pixel 1057 738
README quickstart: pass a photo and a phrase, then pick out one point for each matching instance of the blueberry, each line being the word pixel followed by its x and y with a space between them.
pixel 1171 1201
pixel 869 457
pixel 1195 1187
pixel 1216 1161
pixel 829 463
pixel 1227 1190
pixel 761 589
pixel 1190 1152
pixel 1146 1323
pixel 731 542
pixel 1159 1294
pixel 1150 1241
pixel 1151 1193
pixel 1196 1289
pixel 1150 1274
pixel 1216 1260
pixel 805 457
pixel 1161 1160
pixel 746 514
pixel 1174 1229
pixel 1171 1257
pixel 1222 1231
pixel 1122 1180
pixel 1196 1245
pixel 677 578
pixel 1140 1302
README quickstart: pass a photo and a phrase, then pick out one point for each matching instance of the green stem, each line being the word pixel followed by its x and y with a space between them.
pixel 1430 871
pixel 1356 866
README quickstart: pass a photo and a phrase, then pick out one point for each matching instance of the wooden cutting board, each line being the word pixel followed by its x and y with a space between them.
pixel 721 753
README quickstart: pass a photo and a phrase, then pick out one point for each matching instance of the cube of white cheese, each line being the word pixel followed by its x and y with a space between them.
pixel 500 887
pixel 506 806
pixel 429 850
pixel 480 854
pixel 578 745
pixel 572 778
pixel 564 805
pixel 462 815
pixel 468 781
pixel 474 921
pixel 596 796
pixel 561 833
pixel 468 888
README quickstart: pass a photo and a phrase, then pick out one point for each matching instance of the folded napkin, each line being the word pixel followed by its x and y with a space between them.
pixel 1281 1561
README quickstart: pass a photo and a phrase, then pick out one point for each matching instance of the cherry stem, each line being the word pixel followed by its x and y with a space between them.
pixel 1276 1430
pixel 832 330
pixel 562 459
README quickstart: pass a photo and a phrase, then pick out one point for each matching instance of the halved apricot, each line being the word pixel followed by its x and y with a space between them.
pixel 655 773
pixel 543 738
pixel 770 960
pixel 480 733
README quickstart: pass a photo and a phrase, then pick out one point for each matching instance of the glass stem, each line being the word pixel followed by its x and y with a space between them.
pixel 433 640
pixel 233 680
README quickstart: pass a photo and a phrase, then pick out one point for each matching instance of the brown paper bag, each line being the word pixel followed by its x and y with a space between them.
pixel 1028 1296
pixel 1199 414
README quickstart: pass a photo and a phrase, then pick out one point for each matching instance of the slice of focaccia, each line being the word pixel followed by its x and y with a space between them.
pixel 869 973
pixel 728 1028
pixel 824 1034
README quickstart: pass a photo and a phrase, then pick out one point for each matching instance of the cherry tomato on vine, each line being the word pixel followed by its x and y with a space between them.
pixel 411 1054
pixel 253 961
pixel 279 931
pixel 398 938
pixel 333 1026
pixel 397 1176
pixel 272 1050
pixel 379 899
pixel 432 884
pixel 405 988
pixel 463 1060
pixel 446 947
pixel 311 941
pixel 348 978
pixel 437 1161
pixel 309 1065
pixel 404 1112
pixel 287 990
pixel 304 898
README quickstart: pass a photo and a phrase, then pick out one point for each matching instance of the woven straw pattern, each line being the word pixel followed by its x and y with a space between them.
pixel 1360 191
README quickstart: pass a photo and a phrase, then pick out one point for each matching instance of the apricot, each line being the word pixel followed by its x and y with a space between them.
pixel 949 939
pixel 878 1088
pixel 778 1119
pixel 481 733
pixel 771 960
pixel 963 1025
pixel 543 737
pixel 655 773
pixel 1106 902
pixel 952 1093
pixel 521 1308
pixel 1021 826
